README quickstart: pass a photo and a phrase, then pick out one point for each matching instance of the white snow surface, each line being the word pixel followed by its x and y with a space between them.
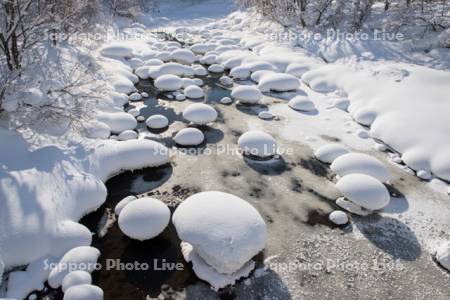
pixel 224 230
pixel 200 113
pixel 364 191
pixel 360 163
pixel 144 218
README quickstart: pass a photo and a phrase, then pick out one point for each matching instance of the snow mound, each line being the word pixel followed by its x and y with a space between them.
pixel 200 48
pixel 168 82
pixel 216 68
pixel 246 94
pixel 240 72
pixel 184 56
pixel 209 59
pixel 127 135
pixel 194 92
pixel 278 82
pixel 189 137
pixel 364 116
pixel 144 218
pixel 341 103
pixel 84 292
pixel 258 75
pixel 338 217
pixel 200 113
pixel 224 230
pixel 122 203
pixel 209 274
pixel 329 152
pixel 443 255
pixel 301 103
pixel 97 130
pixel 118 121
pixel 116 50
pixel 153 62
pixel 171 69
pixel 79 258
pixel 134 112
pixel 297 69
pixel 135 97
pixel 76 278
pixel 364 191
pixel 122 84
pixel 226 100
pixel 157 122
pixel 360 163
pixel 225 80
pixel 265 115
pixel 257 143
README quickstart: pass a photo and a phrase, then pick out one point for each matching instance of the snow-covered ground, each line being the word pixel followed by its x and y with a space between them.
pixel 383 106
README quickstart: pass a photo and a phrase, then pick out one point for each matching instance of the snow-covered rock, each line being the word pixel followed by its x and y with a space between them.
pixel 226 100
pixel 200 70
pixel 97 130
pixel 171 69
pixel 134 112
pixel 338 217
pixel 200 113
pixel 76 278
pixel 144 218
pixel 216 68
pixel 118 121
pixel 301 103
pixel 246 94
pixel 122 203
pixel 122 84
pixel 265 115
pixel 168 82
pixel 225 80
pixel 341 103
pixel 127 135
pixel 224 230
pixel 184 56
pixel 180 97
pixel 352 207
pixel 140 118
pixel 257 143
pixel 116 50
pixel 209 59
pixel 240 72
pixel 423 174
pixel 189 137
pixel 329 152
pixel 365 116
pixel 153 62
pixel 194 92
pixel 144 95
pixel 209 274
pixel 157 122
pixel 79 258
pixel 360 163
pixel 135 97
pixel 84 292
pixel 443 255
pixel 198 81
pixel 278 82
pixel 364 190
